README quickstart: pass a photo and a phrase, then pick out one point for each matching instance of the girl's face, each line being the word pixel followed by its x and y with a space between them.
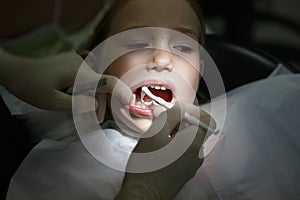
pixel 165 68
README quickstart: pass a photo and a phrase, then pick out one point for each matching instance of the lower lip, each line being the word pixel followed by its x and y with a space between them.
pixel 139 112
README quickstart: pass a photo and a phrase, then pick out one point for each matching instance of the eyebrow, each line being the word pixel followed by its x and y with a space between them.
pixel 188 31
pixel 134 27
pixel 185 30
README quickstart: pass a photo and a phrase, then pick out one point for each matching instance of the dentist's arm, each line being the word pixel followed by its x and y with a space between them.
pixel 44 82
pixel 40 81
pixel 165 183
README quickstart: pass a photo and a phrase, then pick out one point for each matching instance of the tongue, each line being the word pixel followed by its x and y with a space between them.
pixel 147 99
pixel 164 94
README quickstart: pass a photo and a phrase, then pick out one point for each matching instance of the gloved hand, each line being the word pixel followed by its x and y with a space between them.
pixel 166 182
pixel 40 81
pixel 92 92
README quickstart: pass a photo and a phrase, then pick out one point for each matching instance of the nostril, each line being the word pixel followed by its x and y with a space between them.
pixel 160 67
pixel 163 60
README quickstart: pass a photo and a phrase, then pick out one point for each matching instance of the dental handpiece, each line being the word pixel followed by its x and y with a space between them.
pixel 188 117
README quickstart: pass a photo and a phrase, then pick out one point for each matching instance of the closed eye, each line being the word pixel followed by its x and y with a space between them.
pixel 183 48
pixel 137 45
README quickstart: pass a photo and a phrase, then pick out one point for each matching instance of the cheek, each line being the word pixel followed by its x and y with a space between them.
pixel 194 77
pixel 189 69
pixel 124 64
pixel 118 68
pixel 191 75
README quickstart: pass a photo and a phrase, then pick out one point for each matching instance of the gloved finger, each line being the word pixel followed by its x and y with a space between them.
pixel 159 133
pixel 64 66
pixel 63 102
pixel 101 100
pixel 83 104
pixel 56 100
pixel 120 95
pixel 197 142
pixel 116 87
pixel 86 79
pixel 168 121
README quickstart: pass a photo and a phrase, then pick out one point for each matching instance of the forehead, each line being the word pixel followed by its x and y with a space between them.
pixel 172 14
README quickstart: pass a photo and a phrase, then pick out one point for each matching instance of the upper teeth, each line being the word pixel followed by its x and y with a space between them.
pixel 158 87
pixel 145 91
pixel 155 98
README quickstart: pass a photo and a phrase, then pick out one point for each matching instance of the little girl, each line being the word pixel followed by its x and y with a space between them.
pixel 164 61
pixel 254 158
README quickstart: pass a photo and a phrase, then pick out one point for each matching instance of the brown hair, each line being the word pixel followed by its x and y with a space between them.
pixel 102 29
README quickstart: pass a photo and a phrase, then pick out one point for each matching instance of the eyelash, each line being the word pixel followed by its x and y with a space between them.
pixel 137 45
pixel 183 48
pixel 142 45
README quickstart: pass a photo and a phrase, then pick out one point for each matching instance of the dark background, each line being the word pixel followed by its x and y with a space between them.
pixel 271 25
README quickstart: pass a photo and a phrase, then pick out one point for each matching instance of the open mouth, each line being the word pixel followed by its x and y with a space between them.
pixel 142 105
pixel 159 91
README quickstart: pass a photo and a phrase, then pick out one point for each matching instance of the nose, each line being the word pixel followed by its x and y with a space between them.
pixel 162 60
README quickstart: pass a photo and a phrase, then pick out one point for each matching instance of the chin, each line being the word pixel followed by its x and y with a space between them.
pixel 143 124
